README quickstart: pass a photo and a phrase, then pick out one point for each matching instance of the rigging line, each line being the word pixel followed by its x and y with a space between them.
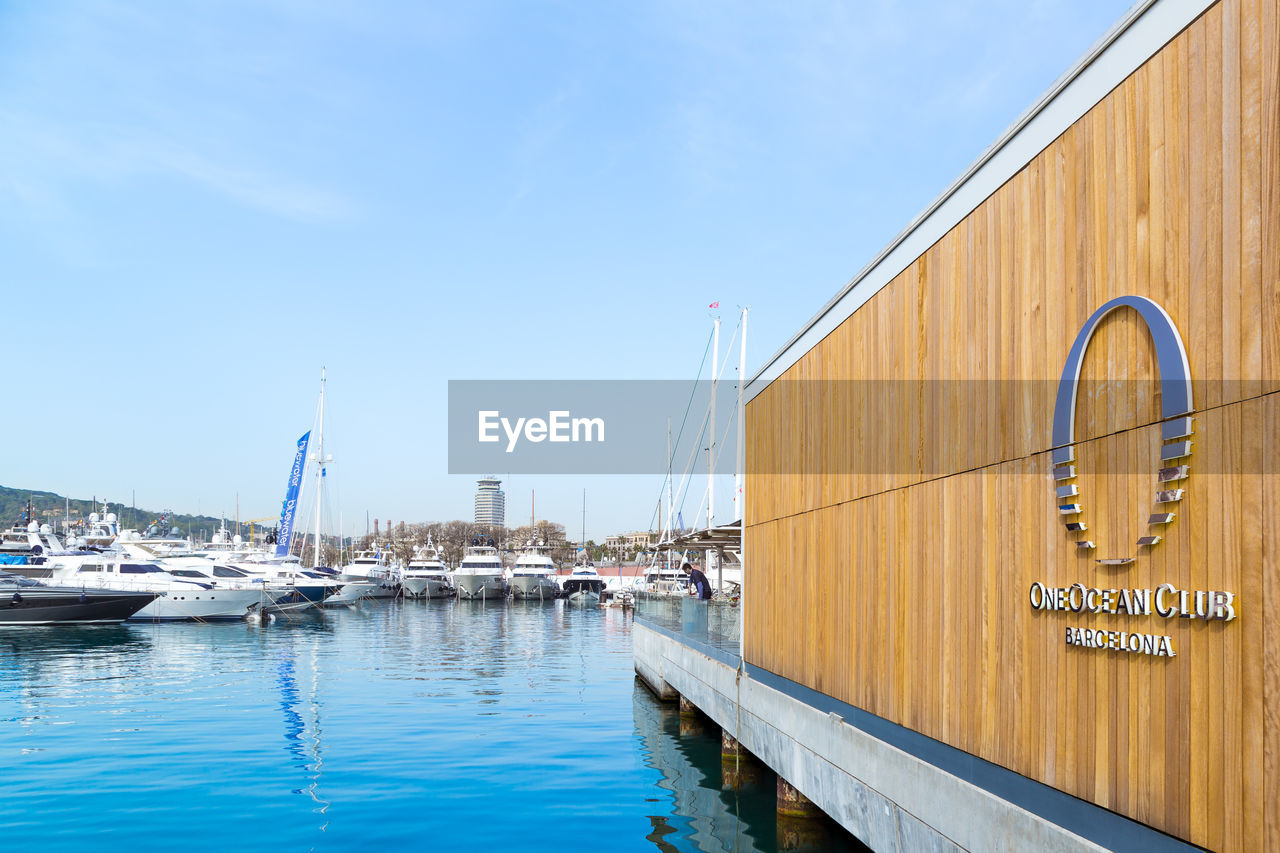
pixel 692 393
pixel 728 349
pixel 680 491
pixel 702 430
pixel 680 433
pixel 733 416
pixel 693 457
pixel 732 420
pixel 706 419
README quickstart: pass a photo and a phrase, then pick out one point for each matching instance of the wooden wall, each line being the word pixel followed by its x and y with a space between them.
pixel 894 528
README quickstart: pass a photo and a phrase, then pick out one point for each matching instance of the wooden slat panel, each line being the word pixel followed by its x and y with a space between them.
pixel 889 556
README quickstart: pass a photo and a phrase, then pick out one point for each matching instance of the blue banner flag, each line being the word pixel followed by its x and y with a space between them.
pixel 291 496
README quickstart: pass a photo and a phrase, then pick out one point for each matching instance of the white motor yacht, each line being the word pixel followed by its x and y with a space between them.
pixel 533 575
pixel 583 585
pixel 479 575
pixel 282 582
pixel 374 574
pixel 180 599
pixel 426 576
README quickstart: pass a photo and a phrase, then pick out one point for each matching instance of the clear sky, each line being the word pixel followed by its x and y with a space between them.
pixel 202 203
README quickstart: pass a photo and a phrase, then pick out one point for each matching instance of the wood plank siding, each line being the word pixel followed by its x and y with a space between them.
pixel 900 502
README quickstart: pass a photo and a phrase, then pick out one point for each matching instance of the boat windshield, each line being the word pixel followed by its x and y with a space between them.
pixel 139 568
pixel 227 572
pixel 187 573
pixel 10 578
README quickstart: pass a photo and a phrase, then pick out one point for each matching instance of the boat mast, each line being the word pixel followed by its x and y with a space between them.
pixel 711 447
pixel 711 430
pixel 739 505
pixel 670 503
pixel 320 460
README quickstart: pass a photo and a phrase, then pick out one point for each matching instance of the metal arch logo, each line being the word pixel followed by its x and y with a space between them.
pixel 1176 408
pixel 1165 600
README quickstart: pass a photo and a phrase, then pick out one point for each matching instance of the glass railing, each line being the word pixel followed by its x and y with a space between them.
pixel 712 623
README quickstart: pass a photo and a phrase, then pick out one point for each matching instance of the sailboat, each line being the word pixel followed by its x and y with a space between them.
pixel 305 587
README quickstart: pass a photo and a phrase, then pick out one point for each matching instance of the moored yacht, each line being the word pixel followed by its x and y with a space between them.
pixel 375 571
pixel 583 585
pixel 179 599
pixel 281 583
pixel 533 575
pixel 31 603
pixel 479 575
pixel 426 575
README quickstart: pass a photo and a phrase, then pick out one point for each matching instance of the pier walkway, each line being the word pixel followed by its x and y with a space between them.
pixel 892 788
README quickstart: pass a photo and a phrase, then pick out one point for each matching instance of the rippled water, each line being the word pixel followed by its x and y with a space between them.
pixel 433 724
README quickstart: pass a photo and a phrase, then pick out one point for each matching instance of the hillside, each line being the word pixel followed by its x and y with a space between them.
pixel 51 507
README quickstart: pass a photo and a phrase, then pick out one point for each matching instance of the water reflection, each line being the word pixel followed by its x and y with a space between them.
pixel 390 725
pixel 51 642
pixel 304 738
pixel 717 802
pixel 293 725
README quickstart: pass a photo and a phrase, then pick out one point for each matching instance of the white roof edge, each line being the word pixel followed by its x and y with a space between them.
pixel 1144 29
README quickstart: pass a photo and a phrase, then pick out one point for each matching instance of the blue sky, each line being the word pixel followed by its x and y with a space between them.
pixel 201 203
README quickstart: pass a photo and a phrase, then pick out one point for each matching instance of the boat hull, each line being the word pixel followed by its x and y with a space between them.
pixel 71 607
pixel 351 593
pixel 534 588
pixel 201 606
pixel 480 587
pixel 372 587
pixel 433 587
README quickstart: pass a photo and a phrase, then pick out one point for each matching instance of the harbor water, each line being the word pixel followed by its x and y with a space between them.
pixel 441 724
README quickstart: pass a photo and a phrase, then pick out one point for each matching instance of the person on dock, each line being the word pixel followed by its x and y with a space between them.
pixel 698 583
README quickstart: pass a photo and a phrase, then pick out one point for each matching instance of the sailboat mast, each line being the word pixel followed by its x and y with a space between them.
pixel 711 429
pixel 319 469
pixel 670 534
pixel 739 505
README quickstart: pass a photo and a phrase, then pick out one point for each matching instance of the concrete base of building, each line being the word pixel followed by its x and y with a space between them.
pixel 738 768
pixel 887 798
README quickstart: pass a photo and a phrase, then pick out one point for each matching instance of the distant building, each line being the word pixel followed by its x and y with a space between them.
pixel 491 503
pixel 630 541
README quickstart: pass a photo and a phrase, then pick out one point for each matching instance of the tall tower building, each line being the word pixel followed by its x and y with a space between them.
pixel 491 503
